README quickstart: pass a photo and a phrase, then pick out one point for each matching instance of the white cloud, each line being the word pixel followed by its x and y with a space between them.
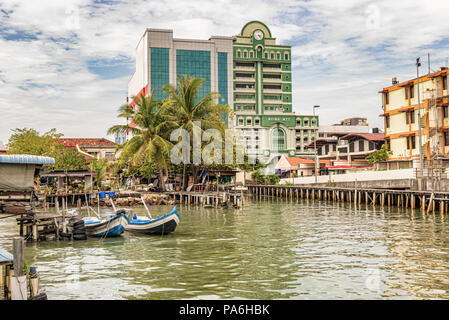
pixel 343 52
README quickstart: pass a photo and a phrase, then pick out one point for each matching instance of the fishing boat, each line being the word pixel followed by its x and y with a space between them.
pixel 111 226
pixel 160 225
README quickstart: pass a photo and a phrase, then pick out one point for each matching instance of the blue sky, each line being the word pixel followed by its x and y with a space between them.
pixel 66 64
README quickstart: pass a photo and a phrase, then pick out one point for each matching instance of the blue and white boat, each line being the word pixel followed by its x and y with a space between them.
pixel 160 225
pixel 112 226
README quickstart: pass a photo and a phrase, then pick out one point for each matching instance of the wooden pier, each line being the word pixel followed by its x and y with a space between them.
pixel 213 199
pixel 426 201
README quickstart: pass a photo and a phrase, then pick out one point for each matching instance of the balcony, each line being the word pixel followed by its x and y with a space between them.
pixel 245 90
pixel 279 91
pixel 272 80
pixel 244 68
pixel 245 79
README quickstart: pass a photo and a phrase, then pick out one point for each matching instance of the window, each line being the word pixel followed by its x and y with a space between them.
pixel 239 54
pixel 286 56
pixel 240 122
pixel 445 111
pixel 407 117
pixel 371 146
pixel 320 135
pixel 245 54
pixel 445 83
pixel 277 139
pixel 278 56
pixel 248 121
pixel 412 91
pixel 446 138
pixel 256 122
pixel 266 55
pixel 272 55
pixel 387 98
pixel 326 149
pixel 361 145
pixel 244 64
pixel 412 141
pixel 412 116
pixel 351 147
pixel 406 92
pixel 387 120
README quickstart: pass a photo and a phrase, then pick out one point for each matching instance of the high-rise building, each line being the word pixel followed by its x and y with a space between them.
pixel 263 96
pixel 160 58
pixel 250 71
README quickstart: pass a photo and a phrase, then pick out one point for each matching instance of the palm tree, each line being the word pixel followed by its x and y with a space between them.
pixel 149 127
pixel 184 105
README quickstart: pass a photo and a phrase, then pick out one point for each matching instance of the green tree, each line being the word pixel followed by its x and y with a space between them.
pixel 99 166
pixel 149 142
pixel 186 109
pixel 68 159
pixel 379 155
pixel 29 141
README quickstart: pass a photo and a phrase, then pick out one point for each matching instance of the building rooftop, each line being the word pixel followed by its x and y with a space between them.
pixel 87 142
pixel 443 71
pixel 367 136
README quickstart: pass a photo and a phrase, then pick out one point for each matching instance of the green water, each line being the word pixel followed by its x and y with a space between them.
pixel 266 250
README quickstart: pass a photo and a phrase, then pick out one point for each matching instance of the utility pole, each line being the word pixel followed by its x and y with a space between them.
pixel 314 145
pixel 418 64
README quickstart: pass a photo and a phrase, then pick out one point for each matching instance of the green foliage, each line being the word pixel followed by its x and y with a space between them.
pixel 379 155
pixel 29 141
pixel 68 159
pixel 272 179
pixel 258 176
pixel 150 135
pixel 99 167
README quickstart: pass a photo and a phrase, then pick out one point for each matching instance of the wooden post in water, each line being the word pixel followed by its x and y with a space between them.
pixel 18 281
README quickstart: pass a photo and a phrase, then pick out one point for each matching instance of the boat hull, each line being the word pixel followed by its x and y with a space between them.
pixel 162 225
pixel 112 227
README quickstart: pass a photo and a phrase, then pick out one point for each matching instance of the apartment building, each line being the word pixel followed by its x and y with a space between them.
pixel 400 104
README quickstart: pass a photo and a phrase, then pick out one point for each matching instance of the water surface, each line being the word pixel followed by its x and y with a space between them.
pixel 266 250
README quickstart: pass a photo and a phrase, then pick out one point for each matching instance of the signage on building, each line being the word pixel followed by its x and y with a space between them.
pixel 268 121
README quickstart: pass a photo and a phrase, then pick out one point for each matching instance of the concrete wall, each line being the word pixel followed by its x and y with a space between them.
pixel 384 177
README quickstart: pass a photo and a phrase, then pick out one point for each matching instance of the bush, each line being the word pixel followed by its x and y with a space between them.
pixel 272 179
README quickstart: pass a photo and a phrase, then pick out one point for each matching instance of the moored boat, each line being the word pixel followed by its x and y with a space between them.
pixel 113 226
pixel 161 225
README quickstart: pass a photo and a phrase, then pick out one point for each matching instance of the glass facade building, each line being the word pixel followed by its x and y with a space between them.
pixel 160 71
pixel 195 63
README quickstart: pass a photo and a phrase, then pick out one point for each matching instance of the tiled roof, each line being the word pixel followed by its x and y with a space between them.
pixel 367 136
pixel 87 142
pixel 295 161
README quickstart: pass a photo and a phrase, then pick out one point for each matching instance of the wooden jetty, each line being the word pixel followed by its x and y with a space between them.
pixel 425 200
pixel 208 198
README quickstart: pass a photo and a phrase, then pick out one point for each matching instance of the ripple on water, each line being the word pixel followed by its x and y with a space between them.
pixel 266 250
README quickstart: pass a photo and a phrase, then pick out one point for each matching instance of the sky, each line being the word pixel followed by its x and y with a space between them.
pixel 66 64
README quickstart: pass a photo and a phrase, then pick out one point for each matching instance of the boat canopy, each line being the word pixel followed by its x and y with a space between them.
pixel 5 256
pixel 25 159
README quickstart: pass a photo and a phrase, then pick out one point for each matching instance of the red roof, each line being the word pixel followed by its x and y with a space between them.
pixel 367 136
pixel 295 161
pixel 87 142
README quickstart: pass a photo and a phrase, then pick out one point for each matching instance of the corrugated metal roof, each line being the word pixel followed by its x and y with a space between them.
pixel 5 256
pixel 25 159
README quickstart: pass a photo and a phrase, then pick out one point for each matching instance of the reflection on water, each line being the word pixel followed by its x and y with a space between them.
pixel 267 250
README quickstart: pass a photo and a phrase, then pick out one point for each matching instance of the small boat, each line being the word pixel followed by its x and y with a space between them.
pixel 161 225
pixel 112 226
